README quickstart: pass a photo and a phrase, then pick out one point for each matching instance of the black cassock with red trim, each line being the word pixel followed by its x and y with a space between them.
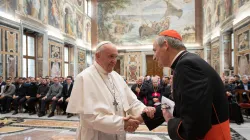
pixel 201 106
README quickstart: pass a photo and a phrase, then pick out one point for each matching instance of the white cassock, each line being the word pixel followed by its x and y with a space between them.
pixel 93 100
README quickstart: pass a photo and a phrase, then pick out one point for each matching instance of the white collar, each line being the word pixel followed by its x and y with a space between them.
pixel 176 57
pixel 100 69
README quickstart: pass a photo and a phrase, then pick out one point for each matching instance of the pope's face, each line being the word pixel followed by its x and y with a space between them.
pixel 160 55
pixel 108 58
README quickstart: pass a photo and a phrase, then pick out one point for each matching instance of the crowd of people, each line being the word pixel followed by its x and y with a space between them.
pixel 233 83
pixel 150 89
pixel 35 95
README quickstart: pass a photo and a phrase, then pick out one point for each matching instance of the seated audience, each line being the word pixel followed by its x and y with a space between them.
pixel 31 96
pixel 42 90
pixel 66 92
pixel 234 109
pixel 19 95
pixel 140 90
pixel 7 96
pixel 153 88
pixel 54 94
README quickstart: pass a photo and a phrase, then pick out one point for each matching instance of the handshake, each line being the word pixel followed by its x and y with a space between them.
pixel 131 123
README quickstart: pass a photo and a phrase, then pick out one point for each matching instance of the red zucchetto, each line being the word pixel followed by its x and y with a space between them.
pixel 171 33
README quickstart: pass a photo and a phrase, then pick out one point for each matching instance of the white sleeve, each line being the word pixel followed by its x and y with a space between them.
pixel 111 124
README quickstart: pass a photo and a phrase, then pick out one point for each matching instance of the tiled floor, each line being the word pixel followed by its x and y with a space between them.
pixel 25 127
pixel 243 129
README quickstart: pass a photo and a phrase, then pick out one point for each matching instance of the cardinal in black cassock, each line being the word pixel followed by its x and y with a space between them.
pixel 201 106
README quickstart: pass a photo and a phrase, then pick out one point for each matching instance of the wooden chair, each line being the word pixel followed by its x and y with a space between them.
pixel 49 108
pixel 239 95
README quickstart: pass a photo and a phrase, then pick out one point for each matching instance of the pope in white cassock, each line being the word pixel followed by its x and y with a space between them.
pixel 103 100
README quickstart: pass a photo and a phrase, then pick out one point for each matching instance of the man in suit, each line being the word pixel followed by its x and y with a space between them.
pixel 234 109
pixel 54 94
pixel 6 97
pixel 41 91
pixel 19 94
pixel 140 90
pixel 201 106
pixel 244 85
pixel 66 92
pixel 166 87
pixel 237 80
pixel 30 95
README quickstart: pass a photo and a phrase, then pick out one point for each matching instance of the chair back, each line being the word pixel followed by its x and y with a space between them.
pixel 239 94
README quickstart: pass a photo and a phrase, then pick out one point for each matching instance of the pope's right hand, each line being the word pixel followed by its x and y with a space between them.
pixel 44 97
pixel 130 124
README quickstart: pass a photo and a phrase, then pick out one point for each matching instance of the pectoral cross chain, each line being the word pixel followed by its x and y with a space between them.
pixel 115 103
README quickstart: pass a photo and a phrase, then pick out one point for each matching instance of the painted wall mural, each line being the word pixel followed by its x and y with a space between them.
pixel 55 59
pixel 88 29
pixel 69 21
pixel 133 66
pixel 33 8
pixel 243 41
pixel 242 50
pixel 244 64
pixel 8 6
pixel 66 15
pixel 9 57
pixel 137 22
pixel 54 16
pixel 215 51
pixel 81 60
pixel 79 26
pixel 217 11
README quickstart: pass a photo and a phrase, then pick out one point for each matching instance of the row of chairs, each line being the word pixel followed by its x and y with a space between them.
pixel 243 105
pixel 47 110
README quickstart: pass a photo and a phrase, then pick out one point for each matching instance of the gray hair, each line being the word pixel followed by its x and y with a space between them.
pixel 141 77
pixel 173 42
pixel 245 77
pixel 154 79
pixel 99 46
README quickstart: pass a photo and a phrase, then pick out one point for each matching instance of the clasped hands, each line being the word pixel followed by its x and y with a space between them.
pixel 131 123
